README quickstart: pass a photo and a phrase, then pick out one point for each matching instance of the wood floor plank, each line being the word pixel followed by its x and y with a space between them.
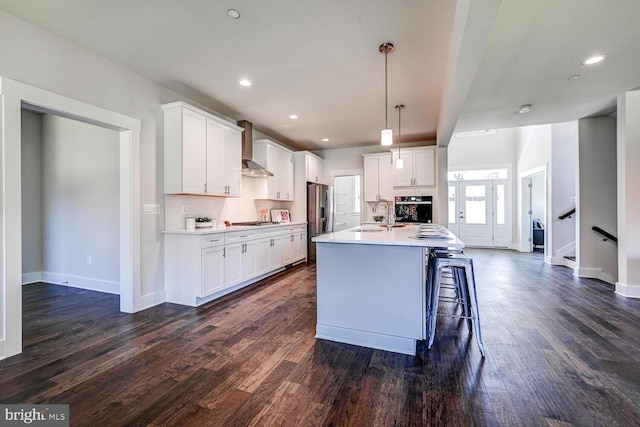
pixel 561 351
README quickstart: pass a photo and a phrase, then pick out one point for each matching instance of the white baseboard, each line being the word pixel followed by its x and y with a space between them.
pixel 81 282
pixel 29 278
pixel 594 273
pixel 151 300
pixel 628 291
pixel 3 349
pixel 366 339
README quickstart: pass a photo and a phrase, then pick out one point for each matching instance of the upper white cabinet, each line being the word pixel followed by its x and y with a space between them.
pixel 419 167
pixel 378 177
pixel 202 152
pixel 279 161
pixel 315 168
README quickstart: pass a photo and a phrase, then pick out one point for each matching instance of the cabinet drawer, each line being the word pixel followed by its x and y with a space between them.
pixel 269 232
pixel 240 236
pixel 290 229
pixel 212 240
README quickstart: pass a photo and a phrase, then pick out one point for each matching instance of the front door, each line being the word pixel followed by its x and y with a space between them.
pixel 475 213
pixel 481 215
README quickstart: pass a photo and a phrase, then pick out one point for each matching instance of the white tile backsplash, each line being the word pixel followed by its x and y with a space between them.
pixel 234 209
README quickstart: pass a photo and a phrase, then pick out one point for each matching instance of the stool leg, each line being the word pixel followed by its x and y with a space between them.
pixel 435 293
pixel 471 286
pixel 429 296
pixel 460 276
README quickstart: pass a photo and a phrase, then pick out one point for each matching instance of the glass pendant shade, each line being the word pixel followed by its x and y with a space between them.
pixel 386 137
pixel 399 163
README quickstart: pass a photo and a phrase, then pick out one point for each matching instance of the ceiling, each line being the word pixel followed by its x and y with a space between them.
pixel 457 66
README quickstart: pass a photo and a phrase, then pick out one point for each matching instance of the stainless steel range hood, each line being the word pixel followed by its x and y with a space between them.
pixel 249 167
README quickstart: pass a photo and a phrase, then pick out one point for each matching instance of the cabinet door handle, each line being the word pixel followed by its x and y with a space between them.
pixel 224 252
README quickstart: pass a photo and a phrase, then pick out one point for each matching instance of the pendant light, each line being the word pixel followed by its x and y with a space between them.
pixel 399 161
pixel 386 136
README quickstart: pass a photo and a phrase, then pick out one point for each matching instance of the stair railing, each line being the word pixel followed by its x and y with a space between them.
pixel 607 235
pixel 567 214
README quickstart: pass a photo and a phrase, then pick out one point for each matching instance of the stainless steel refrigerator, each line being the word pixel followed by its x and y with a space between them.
pixel 319 214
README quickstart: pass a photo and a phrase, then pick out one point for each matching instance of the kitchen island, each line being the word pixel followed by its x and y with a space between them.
pixel 371 286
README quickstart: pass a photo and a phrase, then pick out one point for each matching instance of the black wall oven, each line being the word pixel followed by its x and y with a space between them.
pixel 414 209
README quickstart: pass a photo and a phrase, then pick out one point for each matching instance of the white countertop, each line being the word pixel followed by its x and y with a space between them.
pixel 398 236
pixel 223 229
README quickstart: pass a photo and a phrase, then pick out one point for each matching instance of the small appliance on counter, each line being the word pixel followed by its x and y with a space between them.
pixel 417 209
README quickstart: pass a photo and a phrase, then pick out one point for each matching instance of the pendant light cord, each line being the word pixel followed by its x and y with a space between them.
pixel 385 90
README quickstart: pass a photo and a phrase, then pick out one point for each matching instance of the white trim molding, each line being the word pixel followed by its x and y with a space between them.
pixel 594 273
pixel 14 96
pixel 628 291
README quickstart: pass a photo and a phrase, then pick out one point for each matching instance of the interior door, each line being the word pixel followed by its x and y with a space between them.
pixel 475 213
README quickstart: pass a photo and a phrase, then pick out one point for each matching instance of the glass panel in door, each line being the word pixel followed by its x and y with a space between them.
pixel 475 213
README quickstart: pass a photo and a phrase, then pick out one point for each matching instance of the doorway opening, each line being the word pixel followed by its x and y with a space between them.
pixel 533 208
pixel 479 207
pixel 15 96
pixel 347 199
pixel 70 203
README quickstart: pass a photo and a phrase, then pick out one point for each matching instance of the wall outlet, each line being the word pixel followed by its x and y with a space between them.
pixel 184 210
pixel 89 260
pixel 151 209
pixel 212 209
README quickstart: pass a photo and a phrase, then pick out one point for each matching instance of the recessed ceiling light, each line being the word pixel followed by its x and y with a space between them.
pixel 246 83
pixel 574 77
pixel 594 59
pixel 325 139
pixel 524 109
pixel 233 14
pixel 293 116
pixel 338 122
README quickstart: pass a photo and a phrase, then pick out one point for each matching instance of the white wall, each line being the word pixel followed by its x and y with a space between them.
pixel 533 147
pixel 483 150
pixel 564 155
pixel 628 153
pixel 597 199
pixel 32 236
pixel 81 164
pixel 533 153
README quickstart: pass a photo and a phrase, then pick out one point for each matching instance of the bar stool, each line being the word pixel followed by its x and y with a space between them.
pixel 461 266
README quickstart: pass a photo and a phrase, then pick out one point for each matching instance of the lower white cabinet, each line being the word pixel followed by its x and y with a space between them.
pixel 202 267
pixel 213 270
pixel 269 254
pixel 241 251
pixel 294 244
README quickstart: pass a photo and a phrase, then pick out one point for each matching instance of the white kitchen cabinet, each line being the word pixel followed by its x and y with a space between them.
pixel 419 167
pixel 202 152
pixel 302 243
pixel 269 250
pixel 194 266
pixel 240 256
pixel 213 270
pixel 202 267
pixel 291 244
pixel 279 161
pixel 378 177
pixel 315 168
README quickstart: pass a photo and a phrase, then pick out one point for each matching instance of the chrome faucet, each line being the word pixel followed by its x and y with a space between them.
pixel 389 204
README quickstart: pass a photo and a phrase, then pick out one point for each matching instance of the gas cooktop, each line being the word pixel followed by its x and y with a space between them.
pixel 255 223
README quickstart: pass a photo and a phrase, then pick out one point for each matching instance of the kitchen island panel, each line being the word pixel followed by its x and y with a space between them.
pixel 371 295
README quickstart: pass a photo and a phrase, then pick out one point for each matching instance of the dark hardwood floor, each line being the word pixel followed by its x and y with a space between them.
pixel 560 351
